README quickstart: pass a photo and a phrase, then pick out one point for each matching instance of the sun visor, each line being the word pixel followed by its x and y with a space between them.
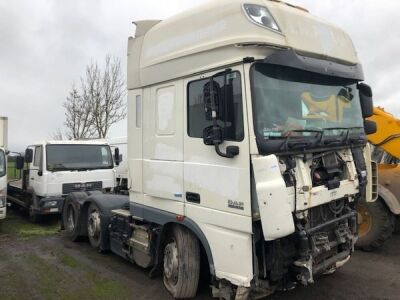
pixel 290 58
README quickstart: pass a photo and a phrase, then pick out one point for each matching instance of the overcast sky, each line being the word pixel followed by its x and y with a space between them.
pixel 46 44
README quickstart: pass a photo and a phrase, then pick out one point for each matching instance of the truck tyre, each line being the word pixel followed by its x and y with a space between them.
pixel 71 222
pixel 375 225
pixel 181 263
pixel 94 226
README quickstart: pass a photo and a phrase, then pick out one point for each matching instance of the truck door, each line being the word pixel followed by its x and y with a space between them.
pixel 217 189
pixel 36 172
pixel 212 182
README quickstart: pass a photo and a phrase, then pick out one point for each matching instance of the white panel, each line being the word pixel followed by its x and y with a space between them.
pixel 163 179
pixel 135 135
pixel 230 240
pixel 166 111
pixel 162 123
pixel 273 202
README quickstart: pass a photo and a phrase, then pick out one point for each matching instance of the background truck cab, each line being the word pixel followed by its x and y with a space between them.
pixel 54 169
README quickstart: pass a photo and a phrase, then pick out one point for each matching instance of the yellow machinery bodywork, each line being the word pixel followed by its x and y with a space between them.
pixel 377 220
pixel 387 136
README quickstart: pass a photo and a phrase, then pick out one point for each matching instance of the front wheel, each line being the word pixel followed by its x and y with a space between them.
pixel 181 263
pixel 34 217
pixel 375 225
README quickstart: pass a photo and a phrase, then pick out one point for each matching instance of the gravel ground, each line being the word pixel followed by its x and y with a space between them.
pixel 37 262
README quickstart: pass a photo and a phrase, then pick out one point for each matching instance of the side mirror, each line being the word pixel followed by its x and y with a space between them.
pixel 212 135
pixel 19 162
pixel 116 157
pixel 40 173
pixel 28 155
pixel 367 106
pixel 369 127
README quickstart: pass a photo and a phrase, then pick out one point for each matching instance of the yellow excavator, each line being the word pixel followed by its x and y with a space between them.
pixel 378 220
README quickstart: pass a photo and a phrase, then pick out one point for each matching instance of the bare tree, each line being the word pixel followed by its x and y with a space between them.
pixel 57 135
pixel 99 103
pixel 105 91
pixel 78 116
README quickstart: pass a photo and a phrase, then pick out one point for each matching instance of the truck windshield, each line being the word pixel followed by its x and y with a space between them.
pixel 287 100
pixel 78 157
pixel 2 163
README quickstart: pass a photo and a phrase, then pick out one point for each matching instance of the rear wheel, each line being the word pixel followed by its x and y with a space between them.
pixel 94 226
pixel 375 225
pixel 181 263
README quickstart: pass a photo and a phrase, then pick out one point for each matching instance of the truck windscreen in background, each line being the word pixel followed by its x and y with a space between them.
pixel 2 163
pixel 287 99
pixel 78 157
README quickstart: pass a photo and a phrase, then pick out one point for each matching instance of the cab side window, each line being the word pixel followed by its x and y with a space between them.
pixel 226 87
pixel 38 156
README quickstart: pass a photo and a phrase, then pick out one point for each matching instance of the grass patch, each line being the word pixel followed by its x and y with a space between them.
pixel 69 261
pixel 15 225
pixel 102 288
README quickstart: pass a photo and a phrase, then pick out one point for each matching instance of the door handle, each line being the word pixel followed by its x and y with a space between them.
pixel 193 197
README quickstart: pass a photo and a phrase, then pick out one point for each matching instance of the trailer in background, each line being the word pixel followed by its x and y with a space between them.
pixel 3 166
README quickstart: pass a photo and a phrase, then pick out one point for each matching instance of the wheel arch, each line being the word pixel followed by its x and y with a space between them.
pixel 390 199
pixel 166 220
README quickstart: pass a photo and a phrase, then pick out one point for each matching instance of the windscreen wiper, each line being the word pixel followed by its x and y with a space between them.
pixel 335 140
pixel 302 142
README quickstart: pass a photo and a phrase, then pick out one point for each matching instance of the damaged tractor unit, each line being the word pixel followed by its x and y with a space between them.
pixel 247 151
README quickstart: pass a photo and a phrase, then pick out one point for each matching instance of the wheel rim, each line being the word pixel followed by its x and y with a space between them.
pixel 364 221
pixel 171 264
pixel 70 219
pixel 94 225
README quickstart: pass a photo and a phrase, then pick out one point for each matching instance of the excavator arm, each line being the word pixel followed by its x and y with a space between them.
pixel 387 136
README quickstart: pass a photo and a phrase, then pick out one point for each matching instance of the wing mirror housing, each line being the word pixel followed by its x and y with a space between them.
pixel 366 101
pixel 369 127
pixel 117 159
pixel 213 135
pixel 19 162
pixel 29 155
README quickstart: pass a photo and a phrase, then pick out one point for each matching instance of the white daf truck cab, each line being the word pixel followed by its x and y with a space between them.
pixel 54 169
pixel 3 167
pixel 247 151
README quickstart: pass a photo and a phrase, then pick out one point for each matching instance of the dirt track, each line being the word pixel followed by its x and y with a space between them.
pixel 39 263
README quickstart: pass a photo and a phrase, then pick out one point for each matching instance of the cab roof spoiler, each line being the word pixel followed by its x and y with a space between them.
pixel 329 67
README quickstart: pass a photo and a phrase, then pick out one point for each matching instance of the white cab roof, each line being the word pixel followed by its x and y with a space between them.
pixel 219 32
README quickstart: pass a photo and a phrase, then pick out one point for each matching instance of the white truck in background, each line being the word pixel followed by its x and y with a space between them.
pixel 247 151
pixel 3 167
pixel 57 168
